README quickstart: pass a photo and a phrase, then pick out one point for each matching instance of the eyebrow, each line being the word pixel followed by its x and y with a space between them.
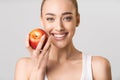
pixel 65 13
pixel 50 14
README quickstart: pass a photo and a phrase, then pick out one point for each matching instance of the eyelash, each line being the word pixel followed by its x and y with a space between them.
pixel 67 19
pixel 50 19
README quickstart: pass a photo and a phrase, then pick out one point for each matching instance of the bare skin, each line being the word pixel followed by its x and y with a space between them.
pixel 59 60
pixel 33 68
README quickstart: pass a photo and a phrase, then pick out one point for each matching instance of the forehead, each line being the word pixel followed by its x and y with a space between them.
pixel 58 6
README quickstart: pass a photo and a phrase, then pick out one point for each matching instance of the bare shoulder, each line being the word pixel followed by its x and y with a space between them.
pixel 100 61
pixel 23 62
pixel 101 68
pixel 22 69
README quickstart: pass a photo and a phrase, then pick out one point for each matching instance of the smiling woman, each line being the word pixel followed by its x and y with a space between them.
pixel 59 59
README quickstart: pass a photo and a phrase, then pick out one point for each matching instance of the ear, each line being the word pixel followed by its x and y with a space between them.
pixel 78 20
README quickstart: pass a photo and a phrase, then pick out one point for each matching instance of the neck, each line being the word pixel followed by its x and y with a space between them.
pixel 62 54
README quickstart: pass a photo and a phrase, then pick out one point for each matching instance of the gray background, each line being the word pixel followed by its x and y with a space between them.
pixel 98 34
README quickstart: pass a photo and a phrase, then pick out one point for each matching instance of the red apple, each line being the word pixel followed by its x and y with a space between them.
pixel 35 36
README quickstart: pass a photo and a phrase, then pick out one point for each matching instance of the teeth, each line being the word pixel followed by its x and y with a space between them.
pixel 59 35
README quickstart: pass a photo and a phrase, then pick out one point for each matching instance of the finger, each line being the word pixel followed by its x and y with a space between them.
pixel 40 44
pixel 46 56
pixel 35 59
pixel 43 60
pixel 36 52
pixel 47 46
pixel 46 49
pixel 28 45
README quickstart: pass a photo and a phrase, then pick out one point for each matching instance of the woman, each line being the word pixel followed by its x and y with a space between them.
pixel 59 59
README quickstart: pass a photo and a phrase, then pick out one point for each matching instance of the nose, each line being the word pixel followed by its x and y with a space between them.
pixel 59 26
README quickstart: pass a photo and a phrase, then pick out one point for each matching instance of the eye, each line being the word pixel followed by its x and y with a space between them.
pixel 68 18
pixel 50 19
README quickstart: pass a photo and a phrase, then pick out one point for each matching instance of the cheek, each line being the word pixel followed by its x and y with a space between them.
pixel 48 28
pixel 72 31
pixel 72 28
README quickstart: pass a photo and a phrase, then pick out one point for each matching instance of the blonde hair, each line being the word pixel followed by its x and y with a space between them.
pixel 73 1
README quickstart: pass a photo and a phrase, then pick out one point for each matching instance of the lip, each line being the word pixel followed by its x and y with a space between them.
pixel 59 36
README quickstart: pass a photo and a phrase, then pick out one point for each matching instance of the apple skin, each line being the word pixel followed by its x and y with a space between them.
pixel 34 37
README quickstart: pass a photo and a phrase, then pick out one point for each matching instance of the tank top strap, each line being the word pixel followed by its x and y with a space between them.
pixel 45 77
pixel 86 67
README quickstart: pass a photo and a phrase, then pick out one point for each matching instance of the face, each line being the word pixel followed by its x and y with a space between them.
pixel 59 20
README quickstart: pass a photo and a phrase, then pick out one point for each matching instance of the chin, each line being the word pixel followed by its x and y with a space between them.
pixel 60 45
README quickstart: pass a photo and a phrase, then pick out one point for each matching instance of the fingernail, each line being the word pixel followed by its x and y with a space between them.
pixel 43 36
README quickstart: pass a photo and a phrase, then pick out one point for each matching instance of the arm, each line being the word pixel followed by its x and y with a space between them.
pixel 33 68
pixel 28 69
pixel 21 70
pixel 101 68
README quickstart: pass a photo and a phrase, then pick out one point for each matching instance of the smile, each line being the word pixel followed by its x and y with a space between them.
pixel 59 36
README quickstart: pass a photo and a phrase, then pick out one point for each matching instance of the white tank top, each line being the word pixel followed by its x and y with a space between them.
pixel 86 68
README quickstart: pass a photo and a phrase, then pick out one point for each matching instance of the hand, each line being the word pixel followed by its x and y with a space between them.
pixel 39 58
